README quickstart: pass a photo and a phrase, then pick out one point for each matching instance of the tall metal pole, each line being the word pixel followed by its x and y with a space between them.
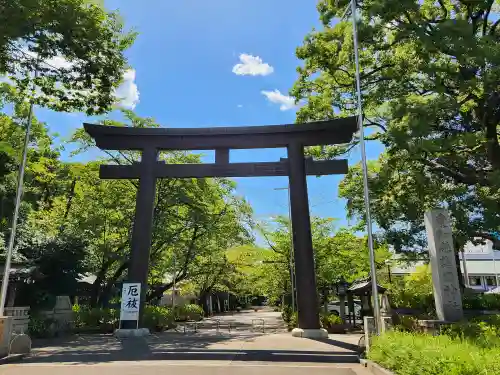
pixel 19 193
pixel 373 271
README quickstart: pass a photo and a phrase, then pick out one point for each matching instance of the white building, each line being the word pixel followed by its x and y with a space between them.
pixel 482 265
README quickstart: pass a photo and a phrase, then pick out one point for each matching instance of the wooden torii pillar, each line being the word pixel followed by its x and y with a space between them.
pixel 150 141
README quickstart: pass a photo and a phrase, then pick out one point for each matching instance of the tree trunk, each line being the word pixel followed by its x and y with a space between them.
pixel 203 300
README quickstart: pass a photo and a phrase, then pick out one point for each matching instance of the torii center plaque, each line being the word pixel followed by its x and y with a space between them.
pixel 222 139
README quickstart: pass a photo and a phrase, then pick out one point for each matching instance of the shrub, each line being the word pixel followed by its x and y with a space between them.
pixel 407 323
pixel 329 320
pixel 482 331
pixel 158 318
pixel 332 323
pixel 294 320
pixel 41 327
pixel 482 302
pixel 286 314
pixel 410 354
pixel 95 319
pixel 188 312
pixel 193 312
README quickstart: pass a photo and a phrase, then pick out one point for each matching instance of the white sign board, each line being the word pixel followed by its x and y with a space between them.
pixel 443 265
pixel 131 300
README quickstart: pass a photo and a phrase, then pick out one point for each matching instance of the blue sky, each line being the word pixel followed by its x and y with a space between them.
pixel 184 75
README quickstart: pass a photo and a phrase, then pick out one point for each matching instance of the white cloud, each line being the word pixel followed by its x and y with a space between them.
pixel 59 62
pixel 5 79
pixel 252 66
pixel 240 106
pixel 128 93
pixel 286 102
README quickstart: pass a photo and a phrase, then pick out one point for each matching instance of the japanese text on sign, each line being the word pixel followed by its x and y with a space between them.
pixel 131 300
pixel 443 265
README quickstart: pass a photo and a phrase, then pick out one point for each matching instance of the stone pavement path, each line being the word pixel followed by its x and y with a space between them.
pixel 250 353
pixel 205 352
pixel 263 320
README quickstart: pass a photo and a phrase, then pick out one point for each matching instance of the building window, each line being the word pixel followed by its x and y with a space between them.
pixel 491 280
pixel 475 280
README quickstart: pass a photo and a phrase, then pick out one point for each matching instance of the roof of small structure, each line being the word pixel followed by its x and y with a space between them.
pixel 17 269
pixel 362 287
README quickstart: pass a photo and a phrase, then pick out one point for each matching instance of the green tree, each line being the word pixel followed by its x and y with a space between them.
pixel 430 83
pixel 414 290
pixel 337 253
pixel 75 46
pixel 56 264
pixel 249 267
pixel 45 175
pixel 193 219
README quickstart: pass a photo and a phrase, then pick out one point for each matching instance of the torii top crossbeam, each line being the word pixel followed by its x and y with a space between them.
pixel 248 137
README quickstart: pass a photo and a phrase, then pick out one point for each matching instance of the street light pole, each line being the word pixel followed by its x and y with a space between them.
pixel 376 304
pixel 19 193
pixel 292 273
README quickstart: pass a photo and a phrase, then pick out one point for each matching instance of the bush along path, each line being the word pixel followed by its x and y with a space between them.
pixel 102 320
pixel 461 349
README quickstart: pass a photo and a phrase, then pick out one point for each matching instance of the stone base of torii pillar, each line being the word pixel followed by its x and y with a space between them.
pixel 320 333
pixel 140 332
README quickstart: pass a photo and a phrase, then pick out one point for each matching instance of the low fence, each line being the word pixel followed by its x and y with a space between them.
pixel 220 326
pixel 21 317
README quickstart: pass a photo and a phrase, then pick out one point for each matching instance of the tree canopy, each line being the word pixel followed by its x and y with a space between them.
pixel 195 220
pixel 430 83
pixel 339 253
pixel 76 48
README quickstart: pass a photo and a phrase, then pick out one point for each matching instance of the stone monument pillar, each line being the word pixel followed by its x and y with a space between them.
pixel 443 266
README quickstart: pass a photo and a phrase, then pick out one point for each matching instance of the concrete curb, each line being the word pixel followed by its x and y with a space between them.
pixel 375 368
pixel 11 358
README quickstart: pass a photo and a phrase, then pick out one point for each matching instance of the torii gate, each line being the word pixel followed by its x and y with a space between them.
pixel 222 139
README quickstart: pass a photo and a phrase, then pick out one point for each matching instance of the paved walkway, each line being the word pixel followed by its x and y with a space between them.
pixel 205 352
pixel 189 354
pixel 263 320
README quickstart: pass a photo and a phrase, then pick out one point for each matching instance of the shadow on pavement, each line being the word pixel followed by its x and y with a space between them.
pixel 103 348
pixel 142 352
pixel 340 344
